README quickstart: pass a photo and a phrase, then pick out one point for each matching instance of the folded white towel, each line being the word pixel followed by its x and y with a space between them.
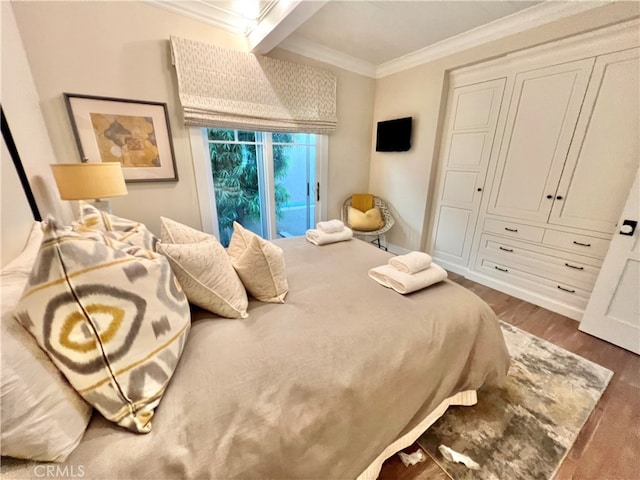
pixel 318 237
pixel 411 262
pixel 402 282
pixel 330 226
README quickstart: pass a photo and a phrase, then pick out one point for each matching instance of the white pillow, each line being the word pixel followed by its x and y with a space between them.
pixel 24 261
pixel 205 272
pixel 176 232
pixel 260 265
pixel 43 418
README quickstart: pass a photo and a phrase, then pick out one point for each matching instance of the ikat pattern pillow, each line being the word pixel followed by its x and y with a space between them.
pixel 260 265
pixel 41 416
pixel 117 228
pixel 114 321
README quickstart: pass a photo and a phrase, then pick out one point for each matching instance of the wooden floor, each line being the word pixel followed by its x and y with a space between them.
pixel 608 447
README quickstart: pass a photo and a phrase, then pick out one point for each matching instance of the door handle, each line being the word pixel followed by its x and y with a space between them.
pixel 628 227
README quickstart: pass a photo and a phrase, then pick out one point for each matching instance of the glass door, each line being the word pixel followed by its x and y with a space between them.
pixel 294 161
pixel 266 182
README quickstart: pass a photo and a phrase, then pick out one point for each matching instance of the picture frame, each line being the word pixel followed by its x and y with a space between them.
pixel 135 133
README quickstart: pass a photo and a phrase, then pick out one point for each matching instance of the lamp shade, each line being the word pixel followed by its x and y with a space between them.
pixel 84 181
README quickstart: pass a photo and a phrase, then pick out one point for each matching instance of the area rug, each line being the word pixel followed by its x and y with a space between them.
pixel 525 428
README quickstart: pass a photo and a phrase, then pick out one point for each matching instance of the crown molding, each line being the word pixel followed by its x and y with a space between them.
pixel 307 48
pixel 532 17
pixel 213 20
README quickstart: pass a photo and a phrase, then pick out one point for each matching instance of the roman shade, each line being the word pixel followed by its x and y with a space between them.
pixel 219 87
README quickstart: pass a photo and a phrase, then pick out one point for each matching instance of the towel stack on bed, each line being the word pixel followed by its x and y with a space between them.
pixel 327 232
pixel 408 273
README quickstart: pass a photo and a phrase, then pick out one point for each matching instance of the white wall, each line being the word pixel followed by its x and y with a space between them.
pixel 121 49
pixel 21 106
pixel 406 179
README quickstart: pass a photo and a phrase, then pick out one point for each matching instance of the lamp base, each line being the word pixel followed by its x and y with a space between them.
pixel 102 205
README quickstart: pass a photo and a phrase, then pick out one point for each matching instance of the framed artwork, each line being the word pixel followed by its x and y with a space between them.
pixel 133 132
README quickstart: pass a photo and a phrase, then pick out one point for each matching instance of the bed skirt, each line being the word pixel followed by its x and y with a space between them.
pixel 467 399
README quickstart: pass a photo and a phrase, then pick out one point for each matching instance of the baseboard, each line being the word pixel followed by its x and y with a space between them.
pixel 532 297
pixel 396 249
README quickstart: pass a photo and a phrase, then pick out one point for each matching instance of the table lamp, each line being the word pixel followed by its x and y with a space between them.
pixel 85 181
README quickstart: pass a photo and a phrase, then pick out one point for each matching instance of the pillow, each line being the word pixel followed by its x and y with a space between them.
pixel 117 228
pixel 362 201
pixel 24 261
pixel 114 322
pixel 365 221
pixel 205 272
pixel 42 418
pixel 175 232
pixel 260 265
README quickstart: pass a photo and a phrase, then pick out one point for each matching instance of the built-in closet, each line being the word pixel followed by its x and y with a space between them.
pixel 539 152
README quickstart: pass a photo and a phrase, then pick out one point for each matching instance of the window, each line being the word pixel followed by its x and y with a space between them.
pixel 265 181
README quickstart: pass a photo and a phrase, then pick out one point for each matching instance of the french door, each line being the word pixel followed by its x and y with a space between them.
pixel 265 181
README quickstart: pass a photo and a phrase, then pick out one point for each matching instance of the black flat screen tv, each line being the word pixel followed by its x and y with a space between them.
pixel 394 135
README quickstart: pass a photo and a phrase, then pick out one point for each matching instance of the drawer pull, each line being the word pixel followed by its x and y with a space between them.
pixel 501 269
pixel 514 230
pixel 573 266
pixel 506 249
pixel 566 289
pixel 582 244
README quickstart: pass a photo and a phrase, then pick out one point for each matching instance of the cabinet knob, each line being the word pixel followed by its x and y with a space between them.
pixel 549 197
pixel 479 189
pixel 559 197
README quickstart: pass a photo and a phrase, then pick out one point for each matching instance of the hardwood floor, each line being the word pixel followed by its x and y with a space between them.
pixel 608 447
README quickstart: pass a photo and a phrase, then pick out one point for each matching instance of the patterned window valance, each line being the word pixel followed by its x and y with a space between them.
pixel 231 89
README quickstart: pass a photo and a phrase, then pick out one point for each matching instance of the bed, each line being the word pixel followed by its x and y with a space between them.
pixel 329 384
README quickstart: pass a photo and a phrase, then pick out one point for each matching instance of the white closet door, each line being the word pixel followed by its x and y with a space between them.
pixel 542 117
pixel 613 312
pixel 469 131
pixel 604 153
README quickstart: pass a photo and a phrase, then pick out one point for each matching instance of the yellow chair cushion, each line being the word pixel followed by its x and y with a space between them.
pixel 362 201
pixel 365 221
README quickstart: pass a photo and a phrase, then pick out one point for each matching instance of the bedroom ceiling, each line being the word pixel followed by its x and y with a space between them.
pixel 373 37
pixel 381 31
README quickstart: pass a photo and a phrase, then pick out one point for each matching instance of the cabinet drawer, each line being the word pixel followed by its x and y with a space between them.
pixel 565 292
pixel 582 244
pixel 554 264
pixel 514 230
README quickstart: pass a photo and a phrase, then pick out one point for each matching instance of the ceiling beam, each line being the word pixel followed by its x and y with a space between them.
pixel 281 21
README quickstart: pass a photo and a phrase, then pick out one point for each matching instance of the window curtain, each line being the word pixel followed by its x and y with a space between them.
pixel 224 88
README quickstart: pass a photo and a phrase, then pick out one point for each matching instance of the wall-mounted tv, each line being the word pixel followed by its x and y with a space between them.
pixel 394 135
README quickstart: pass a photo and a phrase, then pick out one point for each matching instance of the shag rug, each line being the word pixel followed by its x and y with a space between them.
pixel 524 429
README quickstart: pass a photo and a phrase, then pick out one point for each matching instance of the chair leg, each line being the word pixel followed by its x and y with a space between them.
pixel 377 242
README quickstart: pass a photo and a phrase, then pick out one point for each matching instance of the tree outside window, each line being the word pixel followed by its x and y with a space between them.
pixel 234 164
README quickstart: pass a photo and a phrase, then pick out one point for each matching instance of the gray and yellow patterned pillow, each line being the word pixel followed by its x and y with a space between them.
pixel 113 320
pixel 116 228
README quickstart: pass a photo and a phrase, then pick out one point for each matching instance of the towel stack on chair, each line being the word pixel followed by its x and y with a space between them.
pixel 327 232
pixel 408 273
